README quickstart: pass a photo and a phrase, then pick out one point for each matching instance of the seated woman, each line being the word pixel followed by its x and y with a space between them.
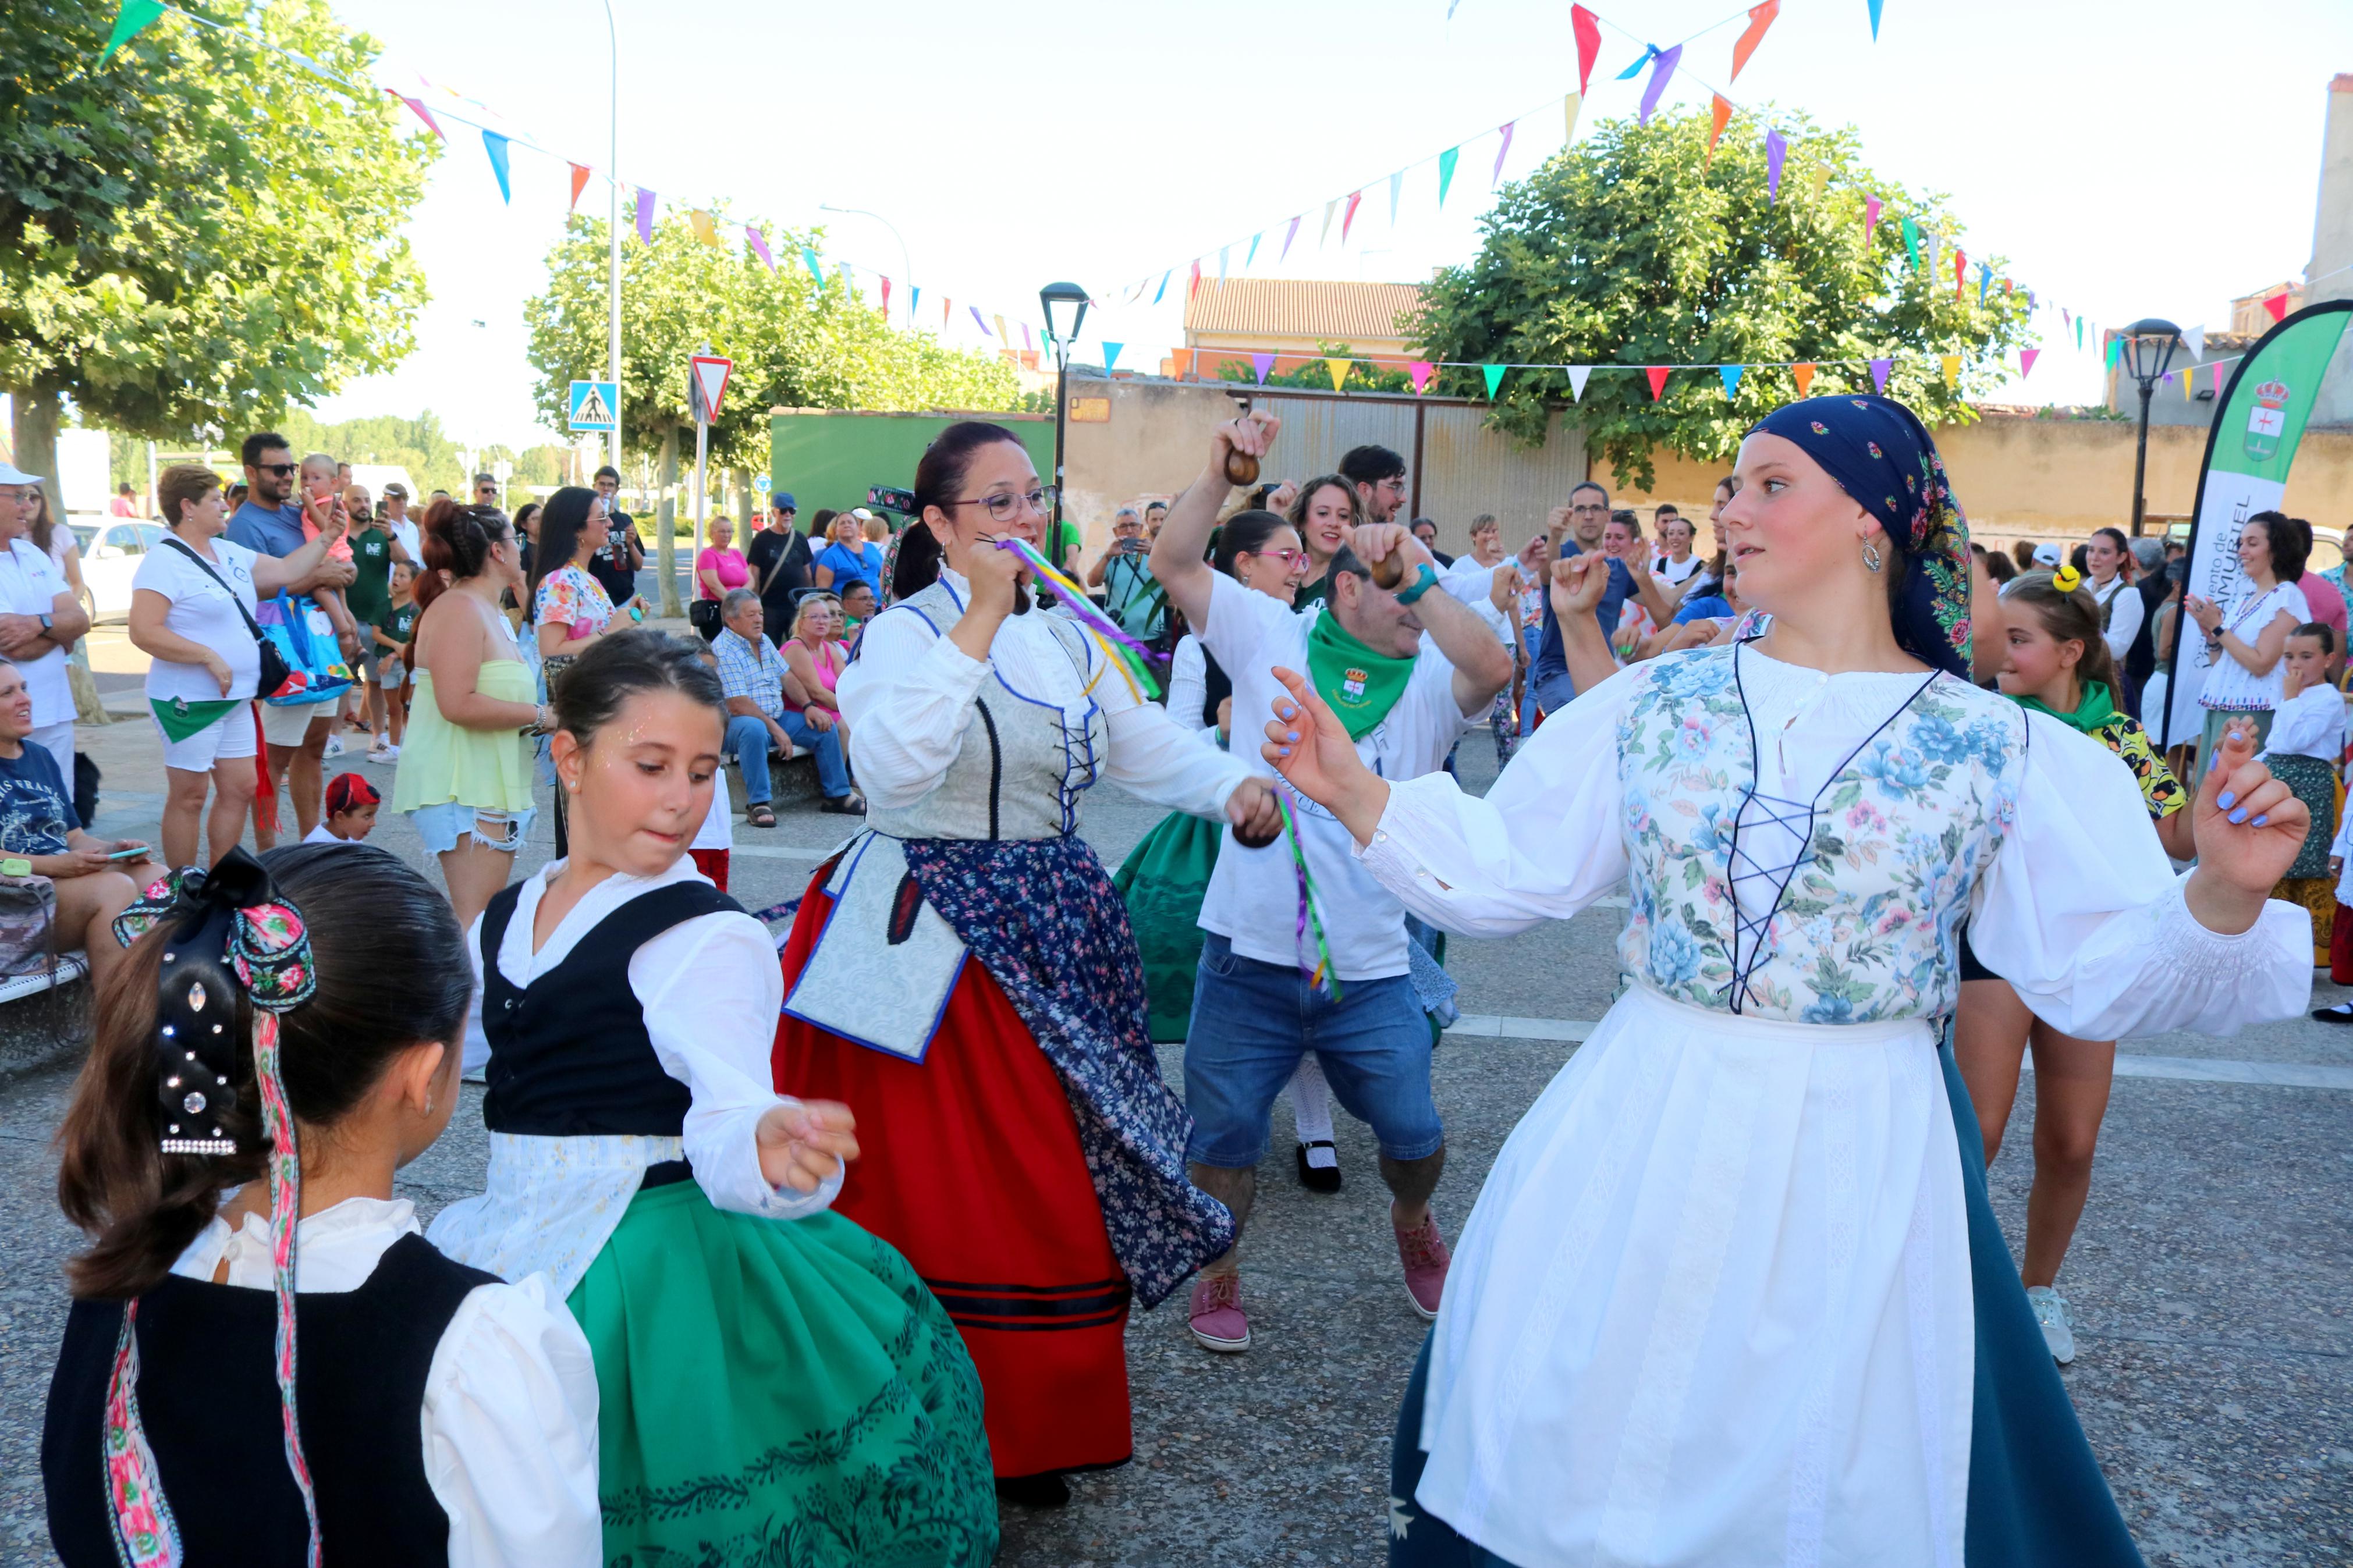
pixel 777 1383
pixel 444 1416
pixel 38 825
pixel 816 654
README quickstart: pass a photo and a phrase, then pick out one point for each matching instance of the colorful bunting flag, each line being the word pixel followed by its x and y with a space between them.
pixel 1871 208
pixel 1731 375
pixel 1420 369
pixel 1500 154
pixel 1589 46
pixel 1002 335
pixel 815 267
pixel 1874 19
pixel 977 321
pixel 1658 374
pixel 1330 207
pixel 1952 365
pixel 705 229
pixel 1156 293
pixel 947 309
pixel 1912 242
pixel 1111 354
pixel 1879 369
pixel 1649 53
pixel 2195 338
pixel 1289 235
pixel 2188 376
pixel 2116 351
pixel 1194 287
pixel 2217 368
pixel 1720 113
pixel 496 146
pixel 1777 148
pixel 2276 307
pixel 1221 264
pixel 1494 374
pixel 426 115
pixel 1261 364
pixel 1445 175
pixel 1985 281
pixel 2026 358
pixel 1569 107
pixel 579 183
pixel 1661 71
pixel 914 300
pixel 1339 370
pixel 1397 186
pixel 1350 217
pixel 1578 375
pixel 1759 18
pixel 1804 372
pixel 645 215
pixel 760 246
pixel 1817 179
pixel 137 16
pixel 1961 271
pixel 1253 250
pixel 1025 343
pixel 886 299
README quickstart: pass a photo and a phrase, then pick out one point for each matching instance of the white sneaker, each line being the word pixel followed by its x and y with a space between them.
pixel 335 747
pixel 382 755
pixel 2058 1328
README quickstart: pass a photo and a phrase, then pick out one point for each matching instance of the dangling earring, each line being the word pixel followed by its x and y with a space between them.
pixel 1871 559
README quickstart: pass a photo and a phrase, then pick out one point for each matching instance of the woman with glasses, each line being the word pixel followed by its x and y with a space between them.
pixel 1024 1154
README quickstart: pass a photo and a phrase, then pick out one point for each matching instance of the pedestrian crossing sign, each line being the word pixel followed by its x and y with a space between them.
pixel 595 404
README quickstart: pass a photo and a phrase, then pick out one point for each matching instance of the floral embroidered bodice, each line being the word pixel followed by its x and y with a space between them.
pixel 1763 886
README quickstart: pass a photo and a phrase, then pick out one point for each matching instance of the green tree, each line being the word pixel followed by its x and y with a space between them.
pixel 794 344
pixel 1634 248
pixel 200 230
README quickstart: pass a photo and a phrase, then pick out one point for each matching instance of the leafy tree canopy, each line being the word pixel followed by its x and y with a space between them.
pixel 1635 247
pixel 199 233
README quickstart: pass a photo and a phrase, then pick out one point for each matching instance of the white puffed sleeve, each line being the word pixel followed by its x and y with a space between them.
pixel 1189 683
pixel 510 1427
pixel 2082 913
pixel 1544 844
pixel 906 695
pixel 2126 613
pixel 711 990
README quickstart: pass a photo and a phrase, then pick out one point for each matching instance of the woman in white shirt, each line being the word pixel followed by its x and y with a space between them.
pixel 2246 640
pixel 2306 749
pixel 445 1415
pixel 191 603
pixel 2109 557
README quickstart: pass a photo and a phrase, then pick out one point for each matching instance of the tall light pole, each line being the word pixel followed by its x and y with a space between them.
pixel 2150 343
pixel 1065 295
pixel 860 212
pixel 613 234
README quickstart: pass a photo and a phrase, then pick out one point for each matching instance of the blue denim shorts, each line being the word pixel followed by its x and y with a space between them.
pixel 1251 1022
pixel 440 826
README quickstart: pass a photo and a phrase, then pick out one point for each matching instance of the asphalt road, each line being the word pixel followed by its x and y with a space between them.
pixel 2215 1376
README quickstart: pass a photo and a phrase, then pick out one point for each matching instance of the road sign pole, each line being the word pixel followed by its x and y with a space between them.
pixel 702 489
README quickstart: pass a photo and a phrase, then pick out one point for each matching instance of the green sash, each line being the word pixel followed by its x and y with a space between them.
pixel 182 718
pixel 1361 685
pixel 2094 708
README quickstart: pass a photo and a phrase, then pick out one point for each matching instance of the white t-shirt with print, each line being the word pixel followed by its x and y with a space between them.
pixel 1253 898
pixel 30 582
pixel 203 613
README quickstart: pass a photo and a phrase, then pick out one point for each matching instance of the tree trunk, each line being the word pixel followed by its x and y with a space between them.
pixel 34 437
pixel 742 480
pixel 665 526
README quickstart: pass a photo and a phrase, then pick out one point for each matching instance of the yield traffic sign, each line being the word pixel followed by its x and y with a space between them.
pixel 595 404
pixel 707 383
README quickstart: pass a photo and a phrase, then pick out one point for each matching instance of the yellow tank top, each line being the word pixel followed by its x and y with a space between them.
pixel 441 761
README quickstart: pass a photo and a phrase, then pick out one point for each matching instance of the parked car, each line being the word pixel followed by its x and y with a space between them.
pixel 111 554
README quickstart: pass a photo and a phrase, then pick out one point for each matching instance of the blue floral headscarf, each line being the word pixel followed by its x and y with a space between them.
pixel 1883 457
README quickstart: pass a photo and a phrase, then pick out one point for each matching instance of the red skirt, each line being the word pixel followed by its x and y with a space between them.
pixel 970 1167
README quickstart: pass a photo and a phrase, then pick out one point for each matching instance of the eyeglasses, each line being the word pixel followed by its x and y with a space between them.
pixel 1289 558
pixel 1005 509
pixel 280 469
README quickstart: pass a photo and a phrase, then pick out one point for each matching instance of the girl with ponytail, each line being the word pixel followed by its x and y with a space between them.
pixel 280 1037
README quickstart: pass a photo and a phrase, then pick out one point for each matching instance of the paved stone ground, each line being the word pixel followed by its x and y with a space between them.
pixel 2215 1378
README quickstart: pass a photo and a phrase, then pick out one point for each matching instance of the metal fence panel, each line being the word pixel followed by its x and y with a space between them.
pixel 1317 430
pixel 1467 470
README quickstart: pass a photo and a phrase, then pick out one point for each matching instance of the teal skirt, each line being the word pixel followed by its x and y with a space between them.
pixel 1163 881
pixel 777 1392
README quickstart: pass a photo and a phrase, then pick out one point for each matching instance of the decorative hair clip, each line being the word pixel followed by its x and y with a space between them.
pixel 2066 579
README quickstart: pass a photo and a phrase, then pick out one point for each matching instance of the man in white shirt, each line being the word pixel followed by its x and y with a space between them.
pixel 1406 698
pixel 400 525
pixel 40 619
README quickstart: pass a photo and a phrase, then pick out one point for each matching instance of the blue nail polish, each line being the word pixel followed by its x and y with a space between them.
pixel 2239 815
pixel 2259 821
pixel 1292 736
pixel 1282 751
pixel 2227 800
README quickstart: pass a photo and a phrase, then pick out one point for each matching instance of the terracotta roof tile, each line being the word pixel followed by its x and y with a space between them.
pixel 1352 314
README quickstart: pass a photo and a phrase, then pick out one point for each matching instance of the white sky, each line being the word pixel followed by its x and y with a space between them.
pixel 2125 159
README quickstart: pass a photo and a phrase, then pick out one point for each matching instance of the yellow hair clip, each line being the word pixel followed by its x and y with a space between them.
pixel 2066 579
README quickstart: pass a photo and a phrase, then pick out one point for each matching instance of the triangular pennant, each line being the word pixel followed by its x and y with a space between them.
pixel 1288 235
pixel 759 245
pixel 1002 335
pixel 1184 358
pixel 579 182
pixel 1874 19
pixel 1111 354
pixel 2276 307
pixel 1026 341
pixel 1396 188
pixel 1731 374
pixel 1221 264
pixel 1589 46
pixel 1500 154
pixel 2026 358
pixel 1817 179
pixel 1649 53
pixel 1568 109
pixel 2116 351
pixel 1719 116
pixel 1330 207
pixel 947 309
pixel 2195 338
pixel 1494 374
pixel 1912 242
pixel 914 301
pixel 137 16
pixel 1985 281
pixel 1759 18
pixel 1578 376
pixel 1871 206
pixel 815 267
pixel 1263 365
pixel 886 298
pixel 1446 161
pixel 1952 366
pixel 1339 369
pixel 1193 284
pixel 426 115
pixel 1961 271
pixel 1879 369
pixel 1658 374
pixel 705 229
pixel 1156 293
pixel 2189 380
pixel 1663 71
pixel 496 146
pixel 1777 149
pixel 645 215
pixel 2217 369
pixel 1803 373
pixel 1253 250
pixel 979 320
pixel 1422 370
pixel 1350 216
pixel 849 280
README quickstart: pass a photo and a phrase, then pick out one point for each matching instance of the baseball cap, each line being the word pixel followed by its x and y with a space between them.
pixel 784 501
pixel 861 515
pixel 396 488
pixel 2046 555
pixel 12 475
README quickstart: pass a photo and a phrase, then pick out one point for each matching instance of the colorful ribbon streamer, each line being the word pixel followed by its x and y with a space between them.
pixel 1320 974
pixel 1121 650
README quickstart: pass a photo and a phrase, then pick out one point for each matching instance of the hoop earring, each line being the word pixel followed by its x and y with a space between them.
pixel 1870 557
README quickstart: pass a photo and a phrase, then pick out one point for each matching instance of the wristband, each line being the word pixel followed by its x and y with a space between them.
pixel 1422 583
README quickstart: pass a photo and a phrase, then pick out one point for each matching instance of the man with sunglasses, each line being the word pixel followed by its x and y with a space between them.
pixel 486 491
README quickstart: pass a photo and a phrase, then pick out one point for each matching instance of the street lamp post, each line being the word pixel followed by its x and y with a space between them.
pixel 1065 295
pixel 613 237
pixel 2149 350
pixel 904 261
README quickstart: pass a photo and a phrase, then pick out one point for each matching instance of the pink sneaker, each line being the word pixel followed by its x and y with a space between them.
pixel 1215 1315
pixel 1423 1253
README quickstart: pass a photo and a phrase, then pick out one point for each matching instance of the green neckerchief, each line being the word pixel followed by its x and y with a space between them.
pixel 2095 709
pixel 1361 686
pixel 182 718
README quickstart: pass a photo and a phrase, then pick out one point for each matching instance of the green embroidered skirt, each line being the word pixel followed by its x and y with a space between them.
pixel 1163 881
pixel 783 1392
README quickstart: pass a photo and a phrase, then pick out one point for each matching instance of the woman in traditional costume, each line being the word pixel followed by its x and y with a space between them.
pixel 776 1384
pixel 1025 1154
pixel 1733 1291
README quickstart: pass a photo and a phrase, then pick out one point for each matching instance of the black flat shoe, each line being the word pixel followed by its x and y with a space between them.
pixel 2340 1014
pixel 1048 1490
pixel 1319 1178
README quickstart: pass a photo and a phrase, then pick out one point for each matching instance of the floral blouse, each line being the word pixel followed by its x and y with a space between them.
pixel 570 598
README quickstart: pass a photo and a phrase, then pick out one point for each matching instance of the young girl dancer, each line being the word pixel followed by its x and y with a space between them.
pixel 282 1038
pixel 2056 663
pixel 777 1385
pixel 2305 748
pixel 1733 1290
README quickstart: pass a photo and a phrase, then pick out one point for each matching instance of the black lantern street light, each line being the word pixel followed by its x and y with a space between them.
pixel 2149 345
pixel 1065 295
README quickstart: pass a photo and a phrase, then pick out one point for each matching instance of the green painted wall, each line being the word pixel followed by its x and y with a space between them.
pixel 829 457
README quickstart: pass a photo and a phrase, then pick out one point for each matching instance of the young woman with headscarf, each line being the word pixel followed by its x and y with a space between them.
pixel 1733 1290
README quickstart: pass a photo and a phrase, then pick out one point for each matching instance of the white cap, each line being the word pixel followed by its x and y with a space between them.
pixel 2046 555
pixel 12 475
pixel 861 515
